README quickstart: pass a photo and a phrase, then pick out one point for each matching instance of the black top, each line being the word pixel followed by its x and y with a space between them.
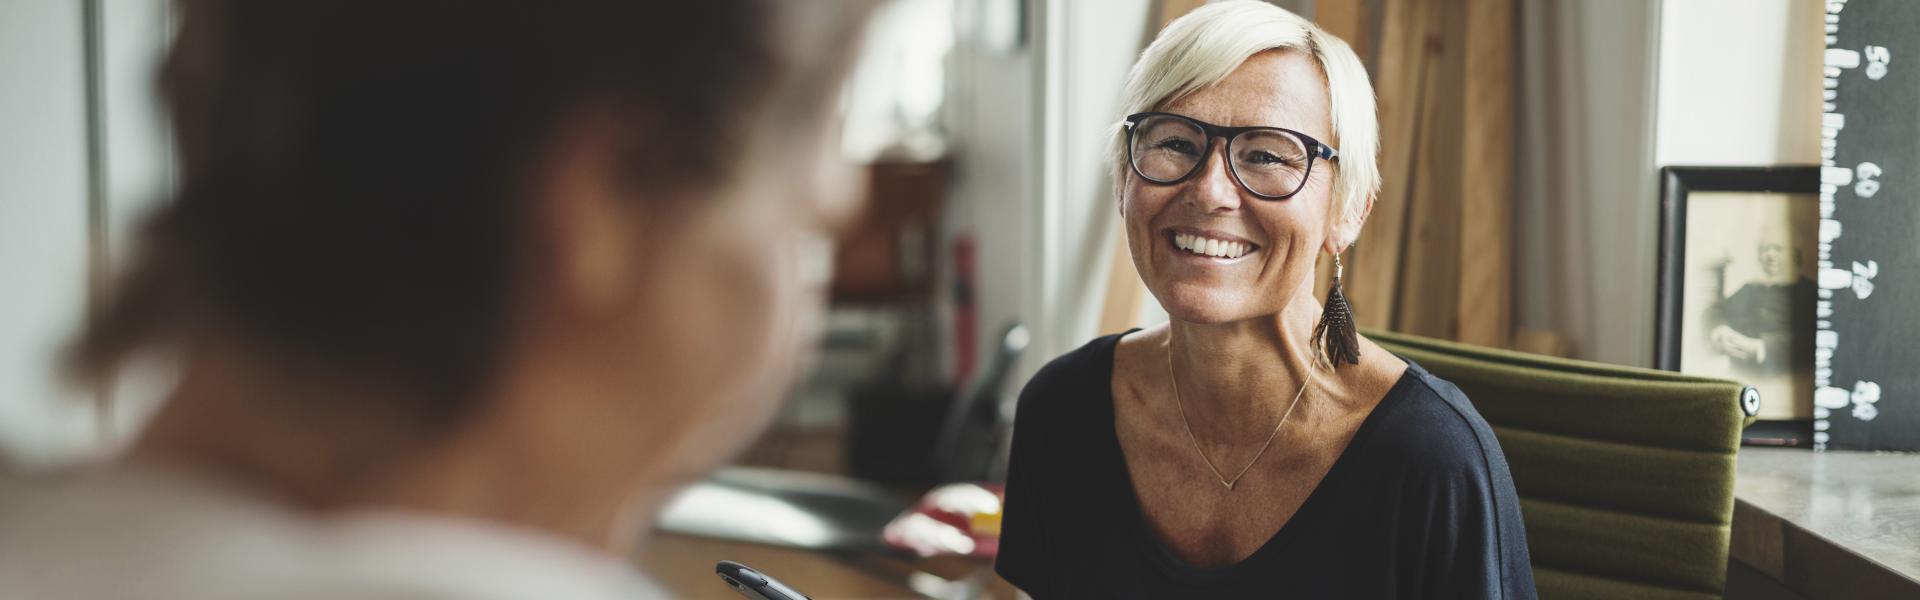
pixel 1419 505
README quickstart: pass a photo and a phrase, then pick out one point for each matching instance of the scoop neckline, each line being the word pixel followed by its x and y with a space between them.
pixel 1157 551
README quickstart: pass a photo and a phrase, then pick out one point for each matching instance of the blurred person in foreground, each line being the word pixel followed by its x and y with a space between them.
pixel 1255 445
pixel 460 293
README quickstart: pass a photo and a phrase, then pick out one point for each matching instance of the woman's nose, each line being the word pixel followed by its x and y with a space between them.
pixel 1213 187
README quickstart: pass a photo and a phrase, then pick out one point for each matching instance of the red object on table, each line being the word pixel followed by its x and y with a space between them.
pixel 959 519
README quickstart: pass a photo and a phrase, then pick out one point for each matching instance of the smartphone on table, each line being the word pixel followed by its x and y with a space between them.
pixel 753 584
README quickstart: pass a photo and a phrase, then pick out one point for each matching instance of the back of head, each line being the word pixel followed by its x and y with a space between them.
pixel 355 175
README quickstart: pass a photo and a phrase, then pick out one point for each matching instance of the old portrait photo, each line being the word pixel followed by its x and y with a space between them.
pixel 1748 294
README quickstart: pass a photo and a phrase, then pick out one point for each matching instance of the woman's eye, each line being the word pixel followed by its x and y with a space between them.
pixel 1176 145
pixel 1260 157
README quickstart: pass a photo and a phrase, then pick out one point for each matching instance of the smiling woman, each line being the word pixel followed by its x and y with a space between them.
pixel 1343 471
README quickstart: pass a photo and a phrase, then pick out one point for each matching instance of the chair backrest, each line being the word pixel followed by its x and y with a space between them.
pixel 1625 475
pixel 969 445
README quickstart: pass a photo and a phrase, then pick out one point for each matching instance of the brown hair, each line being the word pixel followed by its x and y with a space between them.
pixel 354 174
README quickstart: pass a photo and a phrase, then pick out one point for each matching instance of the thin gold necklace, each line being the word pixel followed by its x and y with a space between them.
pixel 1263 447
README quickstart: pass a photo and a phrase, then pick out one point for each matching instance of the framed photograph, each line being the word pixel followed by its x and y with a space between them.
pixel 1735 299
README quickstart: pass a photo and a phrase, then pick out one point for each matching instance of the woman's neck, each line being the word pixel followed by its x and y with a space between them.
pixel 1236 379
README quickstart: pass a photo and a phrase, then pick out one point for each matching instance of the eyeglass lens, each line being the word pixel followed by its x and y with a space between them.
pixel 1269 163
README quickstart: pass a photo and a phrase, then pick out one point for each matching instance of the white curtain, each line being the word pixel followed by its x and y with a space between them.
pixel 1586 203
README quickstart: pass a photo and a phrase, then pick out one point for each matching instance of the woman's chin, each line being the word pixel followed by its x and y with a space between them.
pixel 1208 310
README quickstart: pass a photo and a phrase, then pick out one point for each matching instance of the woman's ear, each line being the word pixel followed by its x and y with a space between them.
pixel 589 244
pixel 1345 230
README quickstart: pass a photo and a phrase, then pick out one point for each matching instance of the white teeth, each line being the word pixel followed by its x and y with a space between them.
pixel 1210 247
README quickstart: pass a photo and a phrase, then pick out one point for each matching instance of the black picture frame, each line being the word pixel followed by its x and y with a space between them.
pixel 1676 184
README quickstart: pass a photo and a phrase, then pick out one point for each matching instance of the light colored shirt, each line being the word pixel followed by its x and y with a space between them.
pixel 163 533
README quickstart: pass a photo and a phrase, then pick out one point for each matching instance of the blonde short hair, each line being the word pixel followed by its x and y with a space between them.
pixel 1203 47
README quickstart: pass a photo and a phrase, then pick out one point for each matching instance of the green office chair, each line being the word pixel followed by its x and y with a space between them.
pixel 1625 475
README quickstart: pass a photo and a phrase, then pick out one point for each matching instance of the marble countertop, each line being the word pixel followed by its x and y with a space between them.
pixel 1867 504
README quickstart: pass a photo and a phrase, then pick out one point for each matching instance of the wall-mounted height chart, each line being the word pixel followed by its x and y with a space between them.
pixel 1867 342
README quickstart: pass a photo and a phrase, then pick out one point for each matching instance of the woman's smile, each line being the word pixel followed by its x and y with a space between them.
pixel 1208 247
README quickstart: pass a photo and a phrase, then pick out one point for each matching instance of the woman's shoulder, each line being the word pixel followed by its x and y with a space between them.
pixel 1092 361
pixel 1077 372
pixel 1435 429
pixel 1079 379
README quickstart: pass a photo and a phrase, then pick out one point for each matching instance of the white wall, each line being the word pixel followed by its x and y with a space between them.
pixel 1089 48
pixel 1740 82
pixel 991 123
pixel 1030 183
pixel 1585 198
pixel 46 224
pixel 43 226
pixel 134 36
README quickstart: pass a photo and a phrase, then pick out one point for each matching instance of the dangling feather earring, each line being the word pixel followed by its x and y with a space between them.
pixel 1335 335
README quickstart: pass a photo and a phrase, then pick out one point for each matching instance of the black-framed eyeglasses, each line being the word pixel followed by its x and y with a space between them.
pixel 1270 162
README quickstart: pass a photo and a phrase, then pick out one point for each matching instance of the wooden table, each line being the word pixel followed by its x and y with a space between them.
pixel 1829 524
pixel 684 565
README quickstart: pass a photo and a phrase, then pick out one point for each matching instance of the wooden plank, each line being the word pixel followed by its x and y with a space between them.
pixel 1430 273
pixel 1486 184
pixel 1348 20
pixel 1166 11
pixel 1125 292
pixel 1373 267
pixel 1541 341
